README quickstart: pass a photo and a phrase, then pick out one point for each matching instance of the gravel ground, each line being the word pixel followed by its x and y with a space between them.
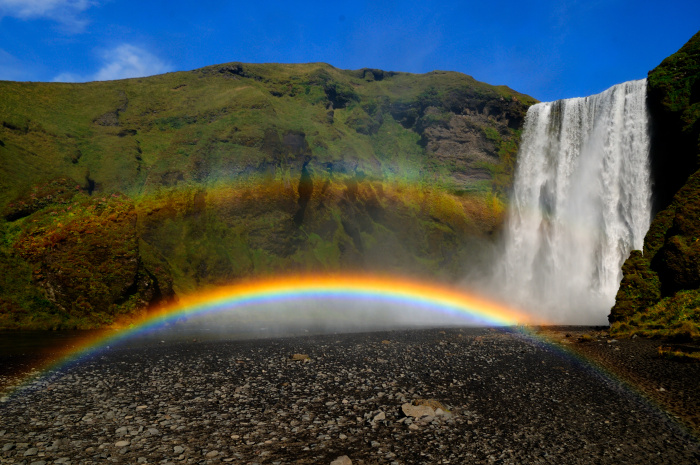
pixel 397 397
pixel 673 384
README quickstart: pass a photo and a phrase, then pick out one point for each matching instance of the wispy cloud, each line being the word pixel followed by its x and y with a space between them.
pixel 122 62
pixel 65 12
pixel 127 61
pixel 11 68
pixel 70 77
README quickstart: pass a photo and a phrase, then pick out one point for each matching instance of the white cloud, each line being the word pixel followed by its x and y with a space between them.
pixel 122 62
pixel 127 61
pixel 62 11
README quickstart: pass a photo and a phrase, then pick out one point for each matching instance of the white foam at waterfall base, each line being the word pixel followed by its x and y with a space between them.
pixel 581 202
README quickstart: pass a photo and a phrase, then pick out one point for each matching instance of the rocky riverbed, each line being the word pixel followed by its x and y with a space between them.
pixel 396 397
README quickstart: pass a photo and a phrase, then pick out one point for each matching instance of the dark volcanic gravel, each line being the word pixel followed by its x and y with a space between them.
pixel 509 400
pixel 674 384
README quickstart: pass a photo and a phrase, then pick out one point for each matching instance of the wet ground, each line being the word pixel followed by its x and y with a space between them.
pixel 673 385
pixel 405 397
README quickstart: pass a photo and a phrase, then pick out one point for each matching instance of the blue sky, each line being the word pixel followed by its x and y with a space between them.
pixel 547 49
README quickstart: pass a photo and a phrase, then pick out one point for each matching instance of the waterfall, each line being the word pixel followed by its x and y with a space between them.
pixel 581 202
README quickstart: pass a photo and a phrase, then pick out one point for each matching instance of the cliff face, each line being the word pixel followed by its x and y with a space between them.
pixel 659 288
pixel 118 194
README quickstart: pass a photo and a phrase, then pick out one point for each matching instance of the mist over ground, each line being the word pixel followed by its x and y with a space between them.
pixel 311 316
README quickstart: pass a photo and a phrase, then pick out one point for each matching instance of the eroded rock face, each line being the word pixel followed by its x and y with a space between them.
pixel 57 191
pixel 671 259
pixel 640 287
pixel 87 261
pixel 673 96
pixel 463 144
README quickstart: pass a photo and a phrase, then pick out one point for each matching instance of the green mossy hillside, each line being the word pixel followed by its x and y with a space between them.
pixel 88 261
pixel 228 121
pixel 119 195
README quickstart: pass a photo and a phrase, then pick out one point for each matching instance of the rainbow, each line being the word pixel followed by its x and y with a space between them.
pixel 372 289
pixel 430 297
pixel 368 289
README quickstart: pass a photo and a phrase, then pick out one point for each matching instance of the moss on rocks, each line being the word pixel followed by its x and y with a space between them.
pixel 660 286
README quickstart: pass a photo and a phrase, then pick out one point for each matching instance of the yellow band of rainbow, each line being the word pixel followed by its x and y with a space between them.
pixel 368 289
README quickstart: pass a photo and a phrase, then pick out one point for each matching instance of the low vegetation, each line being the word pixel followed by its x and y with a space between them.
pixel 123 194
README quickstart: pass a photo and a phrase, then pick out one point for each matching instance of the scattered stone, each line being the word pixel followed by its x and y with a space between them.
pixel 31 451
pixel 200 400
pixel 417 411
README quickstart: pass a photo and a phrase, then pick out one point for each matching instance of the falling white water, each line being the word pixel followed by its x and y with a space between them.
pixel 581 203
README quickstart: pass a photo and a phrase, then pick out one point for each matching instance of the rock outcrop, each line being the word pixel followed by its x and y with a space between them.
pixel 661 283
pixel 84 255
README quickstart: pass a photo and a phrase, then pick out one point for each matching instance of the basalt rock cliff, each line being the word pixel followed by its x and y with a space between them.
pixel 117 195
pixel 660 286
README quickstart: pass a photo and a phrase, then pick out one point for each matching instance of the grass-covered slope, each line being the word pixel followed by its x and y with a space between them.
pixel 659 291
pixel 117 194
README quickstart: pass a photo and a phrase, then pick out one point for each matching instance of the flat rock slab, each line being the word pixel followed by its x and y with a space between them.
pixel 417 411
pixel 510 400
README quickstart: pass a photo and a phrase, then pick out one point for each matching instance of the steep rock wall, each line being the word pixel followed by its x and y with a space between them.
pixel 661 284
